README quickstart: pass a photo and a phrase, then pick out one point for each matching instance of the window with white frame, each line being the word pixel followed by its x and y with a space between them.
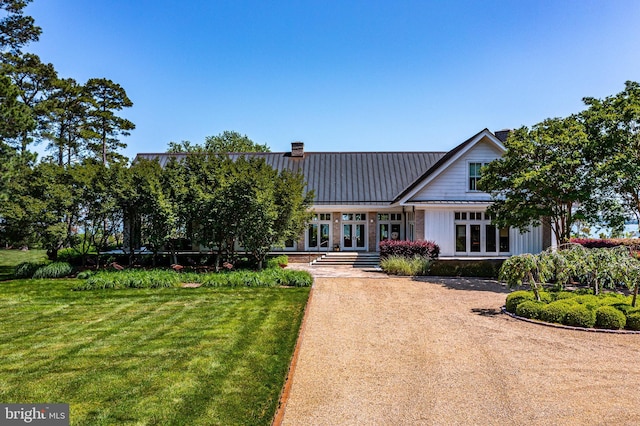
pixel 475 234
pixel 475 175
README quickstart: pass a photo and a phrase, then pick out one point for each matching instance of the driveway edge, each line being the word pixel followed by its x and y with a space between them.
pixel 286 389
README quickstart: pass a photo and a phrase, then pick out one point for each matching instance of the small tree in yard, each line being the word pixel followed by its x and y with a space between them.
pixel 524 268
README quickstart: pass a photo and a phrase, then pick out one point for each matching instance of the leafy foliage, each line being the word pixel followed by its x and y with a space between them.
pixel 542 176
pixel 530 309
pixel 517 297
pixel 278 261
pixel 27 269
pixel 427 249
pixel 169 279
pixel 578 308
pixel 405 266
pixel 610 318
pixel 53 270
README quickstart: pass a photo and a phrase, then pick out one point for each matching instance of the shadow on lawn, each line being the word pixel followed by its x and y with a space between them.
pixel 465 283
pixel 6 272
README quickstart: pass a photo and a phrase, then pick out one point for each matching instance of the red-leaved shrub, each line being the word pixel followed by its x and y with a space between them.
pixel 633 243
pixel 427 249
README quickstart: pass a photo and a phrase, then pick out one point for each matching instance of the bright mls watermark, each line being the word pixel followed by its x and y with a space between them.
pixel 34 414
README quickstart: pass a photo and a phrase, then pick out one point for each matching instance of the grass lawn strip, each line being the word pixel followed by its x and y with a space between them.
pixel 161 356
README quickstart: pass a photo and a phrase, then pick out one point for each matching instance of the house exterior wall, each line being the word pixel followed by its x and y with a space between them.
pixel 452 184
pixel 439 226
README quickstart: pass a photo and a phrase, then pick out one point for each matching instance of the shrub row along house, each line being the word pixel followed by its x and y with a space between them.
pixel 362 198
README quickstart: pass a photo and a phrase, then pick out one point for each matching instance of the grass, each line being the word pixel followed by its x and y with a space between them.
pixel 9 259
pixel 178 356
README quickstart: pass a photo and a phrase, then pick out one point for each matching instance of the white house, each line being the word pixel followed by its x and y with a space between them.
pixel 363 198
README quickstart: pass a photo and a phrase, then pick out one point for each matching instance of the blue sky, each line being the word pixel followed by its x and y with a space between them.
pixel 342 75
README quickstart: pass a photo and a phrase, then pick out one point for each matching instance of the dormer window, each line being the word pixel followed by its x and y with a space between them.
pixel 475 175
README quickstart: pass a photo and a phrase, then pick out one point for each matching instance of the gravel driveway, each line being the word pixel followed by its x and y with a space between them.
pixel 402 351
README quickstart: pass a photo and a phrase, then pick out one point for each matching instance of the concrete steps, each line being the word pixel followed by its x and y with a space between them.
pixel 346 258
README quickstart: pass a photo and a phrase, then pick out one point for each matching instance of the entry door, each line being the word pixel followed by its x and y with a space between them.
pixel 318 236
pixel 354 236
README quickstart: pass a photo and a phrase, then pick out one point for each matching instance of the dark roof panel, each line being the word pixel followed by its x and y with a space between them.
pixel 347 177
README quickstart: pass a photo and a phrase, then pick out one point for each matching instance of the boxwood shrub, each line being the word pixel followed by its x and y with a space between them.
pixel 556 311
pixel 517 297
pixel 610 318
pixel 633 321
pixel 530 309
pixel 579 315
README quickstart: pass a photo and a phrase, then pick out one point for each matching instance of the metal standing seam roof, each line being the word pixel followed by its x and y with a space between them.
pixel 345 177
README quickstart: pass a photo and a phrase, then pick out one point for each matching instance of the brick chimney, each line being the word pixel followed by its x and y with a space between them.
pixel 502 135
pixel 297 149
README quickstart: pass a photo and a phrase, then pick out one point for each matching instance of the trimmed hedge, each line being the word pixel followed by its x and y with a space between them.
pixel 517 297
pixel 609 311
pixel 487 268
pixel 580 316
pixel 633 321
pixel 530 309
pixel 409 249
pixel 610 318
pixel 556 311
pixel 276 261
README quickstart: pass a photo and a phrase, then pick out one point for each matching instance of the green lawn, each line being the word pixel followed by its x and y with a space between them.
pixel 159 356
pixel 10 258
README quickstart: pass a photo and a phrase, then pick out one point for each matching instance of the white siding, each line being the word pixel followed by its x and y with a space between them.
pixel 438 227
pixel 529 242
pixel 452 184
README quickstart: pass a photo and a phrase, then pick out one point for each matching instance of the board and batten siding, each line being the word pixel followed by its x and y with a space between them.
pixel 439 226
pixel 452 184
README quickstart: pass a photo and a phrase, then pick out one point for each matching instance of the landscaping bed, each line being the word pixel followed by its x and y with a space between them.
pixel 612 311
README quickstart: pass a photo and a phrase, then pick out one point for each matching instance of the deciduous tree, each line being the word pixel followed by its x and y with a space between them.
pixel 542 177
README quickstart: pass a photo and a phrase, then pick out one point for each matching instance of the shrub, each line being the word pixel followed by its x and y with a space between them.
pixel 409 249
pixel 580 316
pixel 610 318
pixel 556 311
pixel 54 270
pixel 607 242
pixel 633 321
pixel 466 268
pixel 399 265
pixel 84 275
pixel 517 297
pixel 530 309
pixel 297 278
pixel 275 262
pixel 133 279
pixel 27 269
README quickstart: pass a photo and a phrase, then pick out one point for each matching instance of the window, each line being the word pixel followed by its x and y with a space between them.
pixel 346 217
pixel 474 175
pixel 474 233
pixel 411 226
